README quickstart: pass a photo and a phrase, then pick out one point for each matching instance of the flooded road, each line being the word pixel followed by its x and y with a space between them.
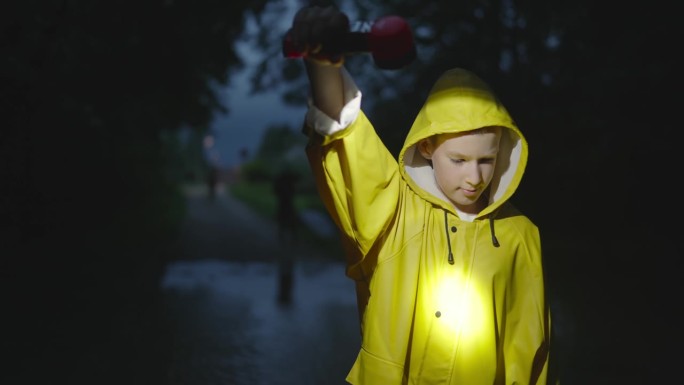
pixel 222 309
pixel 229 328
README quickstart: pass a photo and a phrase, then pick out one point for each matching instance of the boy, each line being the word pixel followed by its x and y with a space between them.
pixel 448 273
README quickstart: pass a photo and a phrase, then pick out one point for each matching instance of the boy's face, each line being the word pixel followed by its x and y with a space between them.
pixel 463 165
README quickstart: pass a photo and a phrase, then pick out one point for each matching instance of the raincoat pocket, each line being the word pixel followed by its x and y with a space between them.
pixel 370 369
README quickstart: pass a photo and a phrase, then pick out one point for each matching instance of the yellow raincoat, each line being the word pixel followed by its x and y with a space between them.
pixel 443 299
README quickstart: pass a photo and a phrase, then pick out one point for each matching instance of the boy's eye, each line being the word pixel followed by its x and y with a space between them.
pixel 487 161
pixel 457 161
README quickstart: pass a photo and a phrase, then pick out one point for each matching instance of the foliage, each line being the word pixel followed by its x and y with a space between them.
pixel 567 71
pixel 281 149
pixel 90 94
pixel 257 170
pixel 90 91
pixel 260 198
pixel 278 140
pixel 585 81
pixel 257 195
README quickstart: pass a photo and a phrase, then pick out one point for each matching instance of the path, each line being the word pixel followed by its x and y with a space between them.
pixel 222 310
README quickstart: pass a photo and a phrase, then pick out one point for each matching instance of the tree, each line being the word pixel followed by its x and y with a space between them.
pixel 89 92
pixel 589 83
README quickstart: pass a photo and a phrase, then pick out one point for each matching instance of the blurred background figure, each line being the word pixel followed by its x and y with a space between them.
pixel 212 158
pixel 212 182
pixel 284 188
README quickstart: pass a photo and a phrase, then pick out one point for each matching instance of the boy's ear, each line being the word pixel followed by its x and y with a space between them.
pixel 425 148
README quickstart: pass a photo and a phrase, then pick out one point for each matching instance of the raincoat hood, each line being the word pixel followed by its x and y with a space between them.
pixel 459 102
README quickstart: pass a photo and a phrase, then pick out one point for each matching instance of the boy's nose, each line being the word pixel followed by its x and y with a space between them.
pixel 474 177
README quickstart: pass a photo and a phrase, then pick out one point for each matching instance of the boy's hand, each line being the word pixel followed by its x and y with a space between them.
pixel 316 31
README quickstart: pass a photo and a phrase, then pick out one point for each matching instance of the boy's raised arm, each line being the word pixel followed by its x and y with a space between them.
pixel 327 90
pixel 314 32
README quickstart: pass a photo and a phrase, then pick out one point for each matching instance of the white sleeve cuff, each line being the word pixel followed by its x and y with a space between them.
pixel 324 124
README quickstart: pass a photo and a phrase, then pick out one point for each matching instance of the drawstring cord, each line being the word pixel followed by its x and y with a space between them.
pixel 450 258
pixel 491 228
pixel 446 227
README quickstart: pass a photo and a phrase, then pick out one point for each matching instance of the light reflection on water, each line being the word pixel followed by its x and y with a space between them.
pixel 229 329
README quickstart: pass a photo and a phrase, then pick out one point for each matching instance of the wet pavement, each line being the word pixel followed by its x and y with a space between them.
pixel 221 304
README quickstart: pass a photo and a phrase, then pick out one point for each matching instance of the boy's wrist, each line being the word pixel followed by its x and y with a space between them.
pixel 335 61
pixel 325 124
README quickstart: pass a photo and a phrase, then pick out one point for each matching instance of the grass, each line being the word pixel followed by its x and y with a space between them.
pixel 260 198
pixel 257 196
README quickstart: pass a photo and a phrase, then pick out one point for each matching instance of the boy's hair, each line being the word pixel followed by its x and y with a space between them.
pixel 481 130
pixel 434 139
